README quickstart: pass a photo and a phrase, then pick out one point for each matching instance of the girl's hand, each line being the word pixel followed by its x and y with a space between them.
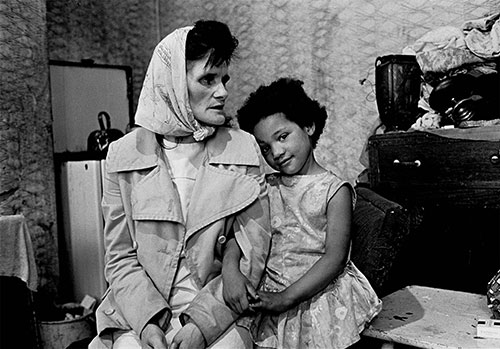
pixel 237 290
pixel 273 302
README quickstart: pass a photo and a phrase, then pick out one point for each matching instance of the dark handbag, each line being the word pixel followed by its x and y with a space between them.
pixel 99 140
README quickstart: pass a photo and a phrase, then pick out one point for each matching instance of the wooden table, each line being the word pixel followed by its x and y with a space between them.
pixel 432 318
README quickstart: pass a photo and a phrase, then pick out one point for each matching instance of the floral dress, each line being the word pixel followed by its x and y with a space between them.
pixel 334 317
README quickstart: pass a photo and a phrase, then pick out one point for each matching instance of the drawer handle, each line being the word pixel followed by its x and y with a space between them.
pixel 416 163
pixel 495 159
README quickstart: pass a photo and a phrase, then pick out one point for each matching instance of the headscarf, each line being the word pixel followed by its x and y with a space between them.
pixel 163 105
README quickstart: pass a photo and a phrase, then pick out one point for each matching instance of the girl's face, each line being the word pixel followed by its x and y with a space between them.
pixel 207 91
pixel 285 145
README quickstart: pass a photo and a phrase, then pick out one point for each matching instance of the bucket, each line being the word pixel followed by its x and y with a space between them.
pixel 60 334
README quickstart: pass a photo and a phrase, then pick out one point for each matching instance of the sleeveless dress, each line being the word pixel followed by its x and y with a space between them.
pixel 334 317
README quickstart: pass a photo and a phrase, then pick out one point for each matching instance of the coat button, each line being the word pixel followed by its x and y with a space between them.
pixel 109 311
pixel 275 222
pixel 221 239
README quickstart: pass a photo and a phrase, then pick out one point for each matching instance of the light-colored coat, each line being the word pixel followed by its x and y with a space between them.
pixel 145 232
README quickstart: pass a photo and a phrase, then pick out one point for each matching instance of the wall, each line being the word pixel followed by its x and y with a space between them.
pixel 109 32
pixel 331 45
pixel 26 157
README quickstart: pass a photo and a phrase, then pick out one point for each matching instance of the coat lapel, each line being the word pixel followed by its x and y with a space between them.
pixel 156 198
pixel 154 195
pixel 218 193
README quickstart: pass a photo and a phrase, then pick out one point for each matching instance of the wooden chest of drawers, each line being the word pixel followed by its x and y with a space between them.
pixel 457 167
pixel 451 179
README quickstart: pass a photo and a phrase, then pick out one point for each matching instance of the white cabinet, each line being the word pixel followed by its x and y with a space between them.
pixel 82 250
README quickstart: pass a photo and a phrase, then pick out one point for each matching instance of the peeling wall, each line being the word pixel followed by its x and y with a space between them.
pixel 27 184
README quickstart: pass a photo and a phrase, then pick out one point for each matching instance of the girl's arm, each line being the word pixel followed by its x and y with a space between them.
pixel 328 267
pixel 251 227
pixel 236 287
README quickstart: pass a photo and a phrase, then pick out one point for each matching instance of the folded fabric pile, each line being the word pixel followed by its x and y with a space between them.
pixel 459 72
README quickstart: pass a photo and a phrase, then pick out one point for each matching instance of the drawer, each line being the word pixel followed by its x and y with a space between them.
pixel 424 167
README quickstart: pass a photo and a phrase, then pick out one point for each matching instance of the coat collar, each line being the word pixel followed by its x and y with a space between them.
pixel 140 150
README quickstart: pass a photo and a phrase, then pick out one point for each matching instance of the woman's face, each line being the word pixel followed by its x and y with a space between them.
pixel 207 91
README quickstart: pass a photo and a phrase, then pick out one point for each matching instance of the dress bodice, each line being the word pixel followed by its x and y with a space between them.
pixel 298 222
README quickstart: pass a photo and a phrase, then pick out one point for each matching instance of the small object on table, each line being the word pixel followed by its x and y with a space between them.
pixel 488 328
pixel 493 295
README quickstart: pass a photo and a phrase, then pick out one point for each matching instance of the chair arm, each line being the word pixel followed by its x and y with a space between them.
pixel 380 227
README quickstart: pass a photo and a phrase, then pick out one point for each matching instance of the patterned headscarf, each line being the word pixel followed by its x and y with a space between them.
pixel 163 105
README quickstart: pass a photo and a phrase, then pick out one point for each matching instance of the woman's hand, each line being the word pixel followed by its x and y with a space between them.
pixel 152 336
pixel 237 290
pixel 188 337
pixel 273 302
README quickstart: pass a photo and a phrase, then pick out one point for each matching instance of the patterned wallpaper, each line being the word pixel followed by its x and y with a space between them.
pixel 330 44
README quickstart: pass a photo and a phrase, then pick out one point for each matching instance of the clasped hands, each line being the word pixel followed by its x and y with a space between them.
pixel 188 337
pixel 240 295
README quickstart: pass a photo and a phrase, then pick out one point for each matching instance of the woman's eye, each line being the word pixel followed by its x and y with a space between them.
pixel 207 80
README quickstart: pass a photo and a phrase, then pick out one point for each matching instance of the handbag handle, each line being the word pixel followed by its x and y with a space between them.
pixel 101 122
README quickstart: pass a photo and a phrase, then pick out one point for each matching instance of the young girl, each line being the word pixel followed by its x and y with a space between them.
pixel 312 295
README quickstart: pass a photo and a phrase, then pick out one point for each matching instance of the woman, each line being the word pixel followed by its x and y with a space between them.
pixel 176 189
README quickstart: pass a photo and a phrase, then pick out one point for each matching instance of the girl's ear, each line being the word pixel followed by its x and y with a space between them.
pixel 310 129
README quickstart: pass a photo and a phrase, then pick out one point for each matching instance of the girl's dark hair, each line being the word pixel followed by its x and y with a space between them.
pixel 213 38
pixel 287 96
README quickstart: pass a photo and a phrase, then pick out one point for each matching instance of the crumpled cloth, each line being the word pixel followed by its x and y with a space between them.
pixel 441 50
pixel 429 120
pixel 441 38
pixel 17 258
pixel 446 48
pixel 482 36
pixel 444 60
